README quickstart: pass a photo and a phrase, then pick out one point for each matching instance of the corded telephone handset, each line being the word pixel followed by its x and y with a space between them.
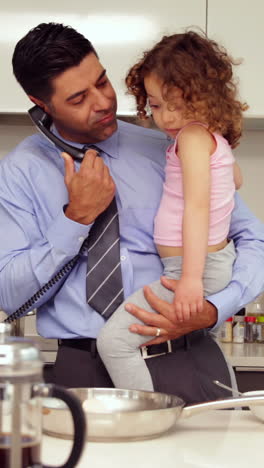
pixel 43 122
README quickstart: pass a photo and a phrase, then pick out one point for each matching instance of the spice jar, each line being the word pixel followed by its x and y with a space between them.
pixel 226 331
pixel 255 308
pixel 260 329
pixel 238 329
pixel 250 329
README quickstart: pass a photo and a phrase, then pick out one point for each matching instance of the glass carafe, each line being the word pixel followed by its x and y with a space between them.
pixel 21 393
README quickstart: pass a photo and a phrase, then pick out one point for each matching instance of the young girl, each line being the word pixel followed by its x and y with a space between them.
pixel 186 81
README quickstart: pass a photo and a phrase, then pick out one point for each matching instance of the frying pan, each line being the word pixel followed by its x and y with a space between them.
pixel 121 415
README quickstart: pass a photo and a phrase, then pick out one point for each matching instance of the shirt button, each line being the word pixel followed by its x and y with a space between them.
pixel 81 239
pixel 123 257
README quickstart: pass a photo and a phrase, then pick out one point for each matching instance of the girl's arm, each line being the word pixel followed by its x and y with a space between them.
pixel 195 145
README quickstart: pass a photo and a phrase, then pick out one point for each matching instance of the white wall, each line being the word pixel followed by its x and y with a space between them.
pixel 238 26
pixel 249 154
pixel 119 30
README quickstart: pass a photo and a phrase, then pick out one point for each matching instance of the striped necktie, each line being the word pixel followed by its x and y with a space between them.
pixel 104 279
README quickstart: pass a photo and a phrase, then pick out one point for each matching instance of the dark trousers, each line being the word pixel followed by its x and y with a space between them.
pixel 188 371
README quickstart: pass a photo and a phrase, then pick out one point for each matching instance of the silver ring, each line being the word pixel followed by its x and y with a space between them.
pixel 158 332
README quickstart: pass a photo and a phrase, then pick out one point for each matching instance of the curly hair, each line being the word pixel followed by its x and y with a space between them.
pixel 202 70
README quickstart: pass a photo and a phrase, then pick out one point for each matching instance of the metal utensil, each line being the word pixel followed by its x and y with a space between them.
pixel 117 415
pixel 258 411
pixel 232 390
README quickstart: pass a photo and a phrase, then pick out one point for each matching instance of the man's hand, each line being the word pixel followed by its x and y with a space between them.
pixel 165 318
pixel 91 189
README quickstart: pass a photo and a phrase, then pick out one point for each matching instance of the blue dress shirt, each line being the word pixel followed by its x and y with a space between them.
pixel 37 239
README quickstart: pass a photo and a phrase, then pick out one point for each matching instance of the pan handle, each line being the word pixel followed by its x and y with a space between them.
pixel 222 404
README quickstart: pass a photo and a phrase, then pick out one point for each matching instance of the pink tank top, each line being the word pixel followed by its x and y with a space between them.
pixel 168 221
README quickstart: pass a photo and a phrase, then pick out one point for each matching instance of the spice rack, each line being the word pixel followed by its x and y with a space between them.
pixel 247 326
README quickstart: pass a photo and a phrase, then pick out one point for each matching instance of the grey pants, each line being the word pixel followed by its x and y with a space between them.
pixel 119 348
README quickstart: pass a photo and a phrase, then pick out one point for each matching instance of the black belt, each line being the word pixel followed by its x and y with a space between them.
pixel 84 344
pixel 171 346
pixel 89 344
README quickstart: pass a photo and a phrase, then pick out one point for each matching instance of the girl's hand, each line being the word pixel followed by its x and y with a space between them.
pixel 165 317
pixel 188 301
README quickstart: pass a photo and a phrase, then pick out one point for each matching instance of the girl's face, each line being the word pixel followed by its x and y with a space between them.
pixel 169 121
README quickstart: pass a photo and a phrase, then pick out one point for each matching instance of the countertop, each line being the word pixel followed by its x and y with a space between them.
pixel 244 354
pixel 216 439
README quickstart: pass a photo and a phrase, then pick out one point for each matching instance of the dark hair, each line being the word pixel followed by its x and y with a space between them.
pixel 202 70
pixel 45 52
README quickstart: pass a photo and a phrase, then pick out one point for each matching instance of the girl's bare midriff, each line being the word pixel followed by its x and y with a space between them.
pixel 169 251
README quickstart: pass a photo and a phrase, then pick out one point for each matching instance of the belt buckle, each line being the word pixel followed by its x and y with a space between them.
pixel 145 355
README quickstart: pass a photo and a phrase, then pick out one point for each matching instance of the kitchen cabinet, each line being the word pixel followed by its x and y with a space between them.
pixel 247 360
pixel 238 26
pixel 120 32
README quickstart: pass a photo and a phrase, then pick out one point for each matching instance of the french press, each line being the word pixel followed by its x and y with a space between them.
pixel 21 393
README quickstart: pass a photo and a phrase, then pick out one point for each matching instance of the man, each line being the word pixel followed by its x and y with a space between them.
pixel 48 206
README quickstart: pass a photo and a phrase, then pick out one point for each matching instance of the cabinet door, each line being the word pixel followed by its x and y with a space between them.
pixel 119 30
pixel 238 25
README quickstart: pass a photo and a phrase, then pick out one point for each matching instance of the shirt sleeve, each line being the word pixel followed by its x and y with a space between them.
pixel 29 257
pixel 247 278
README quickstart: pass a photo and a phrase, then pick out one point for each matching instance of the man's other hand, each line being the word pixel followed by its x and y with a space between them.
pixel 164 319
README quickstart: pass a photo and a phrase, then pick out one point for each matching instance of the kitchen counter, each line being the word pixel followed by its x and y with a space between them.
pixel 216 439
pixel 244 354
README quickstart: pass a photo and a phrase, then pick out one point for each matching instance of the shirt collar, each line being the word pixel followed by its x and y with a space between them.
pixel 109 146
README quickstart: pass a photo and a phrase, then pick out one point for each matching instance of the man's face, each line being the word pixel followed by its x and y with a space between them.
pixel 83 105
